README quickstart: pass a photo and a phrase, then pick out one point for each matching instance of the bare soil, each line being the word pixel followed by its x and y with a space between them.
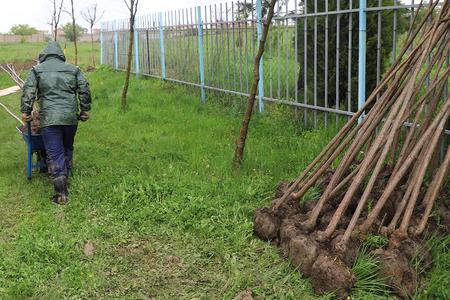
pixel 91 69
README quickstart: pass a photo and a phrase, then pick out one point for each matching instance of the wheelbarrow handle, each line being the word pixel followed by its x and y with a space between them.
pixel 29 131
pixel 30 151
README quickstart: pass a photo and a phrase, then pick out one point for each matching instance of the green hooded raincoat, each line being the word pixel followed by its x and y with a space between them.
pixel 60 88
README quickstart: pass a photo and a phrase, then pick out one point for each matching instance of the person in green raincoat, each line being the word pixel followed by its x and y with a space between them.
pixel 64 97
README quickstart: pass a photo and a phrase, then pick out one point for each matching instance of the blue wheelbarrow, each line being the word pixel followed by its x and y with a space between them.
pixel 35 145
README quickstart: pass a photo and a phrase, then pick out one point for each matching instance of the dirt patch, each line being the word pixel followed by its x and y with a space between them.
pixel 89 249
pixel 244 295
pixel 91 69
pixel 137 249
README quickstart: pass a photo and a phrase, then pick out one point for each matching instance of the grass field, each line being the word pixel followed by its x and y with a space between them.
pixel 155 194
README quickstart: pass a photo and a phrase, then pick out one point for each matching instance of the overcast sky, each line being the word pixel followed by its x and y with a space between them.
pixel 37 12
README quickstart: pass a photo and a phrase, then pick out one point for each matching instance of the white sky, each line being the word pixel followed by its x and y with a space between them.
pixel 37 12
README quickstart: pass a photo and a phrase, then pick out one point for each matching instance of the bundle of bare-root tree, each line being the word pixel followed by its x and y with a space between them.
pixel 35 123
pixel 381 176
pixel 11 71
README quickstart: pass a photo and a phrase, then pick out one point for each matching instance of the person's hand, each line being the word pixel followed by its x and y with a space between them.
pixel 84 116
pixel 26 117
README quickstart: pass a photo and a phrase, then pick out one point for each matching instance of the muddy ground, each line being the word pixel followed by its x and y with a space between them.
pixel 331 269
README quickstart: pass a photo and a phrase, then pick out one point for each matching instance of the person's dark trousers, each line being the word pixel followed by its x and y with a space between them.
pixel 58 142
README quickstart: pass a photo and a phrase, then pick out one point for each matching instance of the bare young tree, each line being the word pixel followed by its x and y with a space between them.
pixel 240 142
pixel 56 16
pixel 132 6
pixel 71 12
pixel 90 16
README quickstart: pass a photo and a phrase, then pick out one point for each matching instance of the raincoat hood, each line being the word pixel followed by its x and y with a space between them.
pixel 61 89
pixel 53 49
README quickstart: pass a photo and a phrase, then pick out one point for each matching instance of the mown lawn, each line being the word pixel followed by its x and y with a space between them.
pixel 155 194
pixel 29 51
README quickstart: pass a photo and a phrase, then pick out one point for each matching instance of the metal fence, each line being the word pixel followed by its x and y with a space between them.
pixel 322 56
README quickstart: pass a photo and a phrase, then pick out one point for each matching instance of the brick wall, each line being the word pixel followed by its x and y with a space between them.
pixel 35 38
pixel 39 38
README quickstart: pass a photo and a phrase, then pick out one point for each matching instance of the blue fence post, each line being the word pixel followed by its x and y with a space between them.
pixel 362 56
pixel 200 52
pixel 101 44
pixel 136 51
pixel 116 48
pixel 261 63
pixel 161 41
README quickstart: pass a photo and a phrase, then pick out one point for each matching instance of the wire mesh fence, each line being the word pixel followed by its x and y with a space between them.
pixel 322 57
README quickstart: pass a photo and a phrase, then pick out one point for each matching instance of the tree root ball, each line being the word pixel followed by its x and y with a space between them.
pixel 331 274
pixel 265 224
pixel 281 189
pixel 416 249
pixel 394 266
pixel 328 263
pixel 303 252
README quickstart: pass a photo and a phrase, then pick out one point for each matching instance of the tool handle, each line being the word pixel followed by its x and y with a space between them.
pixel 11 113
pixel 30 151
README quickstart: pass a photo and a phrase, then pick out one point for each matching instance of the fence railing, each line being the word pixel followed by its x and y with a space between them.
pixel 322 57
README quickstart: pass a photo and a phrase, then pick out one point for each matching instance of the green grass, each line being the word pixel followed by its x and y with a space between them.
pixel 155 193
pixel 438 279
pixel 22 52
pixel 370 284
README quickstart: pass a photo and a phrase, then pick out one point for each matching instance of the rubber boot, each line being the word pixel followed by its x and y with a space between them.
pixel 69 167
pixel 69 172
pixel 61 193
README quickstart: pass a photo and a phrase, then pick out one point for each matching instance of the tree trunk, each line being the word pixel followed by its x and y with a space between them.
pixel 92 48
pixel 240 142
pixel 74 32
pixel 128 71
pixel 75 46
